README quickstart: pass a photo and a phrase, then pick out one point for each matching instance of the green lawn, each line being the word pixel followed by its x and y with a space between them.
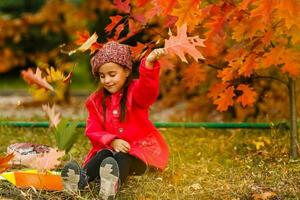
pixel 204 164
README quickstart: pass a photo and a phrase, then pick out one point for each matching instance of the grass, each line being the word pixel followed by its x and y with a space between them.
pixel 204 164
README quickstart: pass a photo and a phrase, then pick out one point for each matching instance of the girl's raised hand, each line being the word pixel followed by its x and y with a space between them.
pixel 120 145
pixel 155 55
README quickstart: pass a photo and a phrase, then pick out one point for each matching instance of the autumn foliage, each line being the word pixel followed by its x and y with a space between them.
pixel 226 46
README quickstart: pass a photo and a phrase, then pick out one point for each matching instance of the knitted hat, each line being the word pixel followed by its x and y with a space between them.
pixel 112 52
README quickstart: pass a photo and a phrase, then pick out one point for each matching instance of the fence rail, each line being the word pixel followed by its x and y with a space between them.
pixel 231 125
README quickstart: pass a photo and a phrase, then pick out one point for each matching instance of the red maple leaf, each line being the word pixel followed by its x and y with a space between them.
pixel 114 21
pixel 170 20
pixel 122 6
pixel 137 50
pixel 182 44
pixel 141 3
pixel 119 29
pixel 248 96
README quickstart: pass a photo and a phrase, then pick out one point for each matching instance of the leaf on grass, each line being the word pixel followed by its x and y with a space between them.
pixel 36 78
pixel 182 44
pixel 4 162
pixel 47 161
pixel 264 196
pixel 52 115
pixel 248 96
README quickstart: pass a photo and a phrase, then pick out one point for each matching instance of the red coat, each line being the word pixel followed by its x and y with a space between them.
pixel 145 140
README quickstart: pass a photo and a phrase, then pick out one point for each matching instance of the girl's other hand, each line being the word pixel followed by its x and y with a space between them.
pixel 120 145
pixel 155 55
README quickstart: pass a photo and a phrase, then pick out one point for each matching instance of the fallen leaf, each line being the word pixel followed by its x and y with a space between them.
pixel 4 162
pixel 47 161
pixel 264 196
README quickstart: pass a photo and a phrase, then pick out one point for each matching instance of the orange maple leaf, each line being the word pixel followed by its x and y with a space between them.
pixel 192 75
pixel 166 5
pixel 264 9
pixel 225 99
pixel 188 13
pixel 248 96
pixel 248 28
pixel 249 65
pixel 87 42
pixel 123 6
pixel 273 57
pixel 4 162
pixel 182 44
pixel 81 36
pixel 291 66
pixel 226 74
pixel 289 11
pixel 216 90
pixel 36 78
pixel 114 21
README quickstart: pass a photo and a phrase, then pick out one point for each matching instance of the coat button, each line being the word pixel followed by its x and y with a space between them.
pixel 115 112
pixel 121 130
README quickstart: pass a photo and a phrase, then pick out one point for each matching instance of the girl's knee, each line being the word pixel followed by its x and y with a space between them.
pixel 104 152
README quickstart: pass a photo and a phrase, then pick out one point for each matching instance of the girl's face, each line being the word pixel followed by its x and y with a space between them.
pixel 113 76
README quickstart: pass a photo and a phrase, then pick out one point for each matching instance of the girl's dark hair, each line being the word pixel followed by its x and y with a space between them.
pixel 123 99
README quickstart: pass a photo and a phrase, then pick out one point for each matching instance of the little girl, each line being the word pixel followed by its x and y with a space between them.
pixel 124 141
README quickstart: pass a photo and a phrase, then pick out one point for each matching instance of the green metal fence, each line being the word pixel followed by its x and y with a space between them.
pixel 168 125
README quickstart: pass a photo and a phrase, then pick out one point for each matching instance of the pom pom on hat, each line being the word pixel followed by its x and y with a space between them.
pixel 111 52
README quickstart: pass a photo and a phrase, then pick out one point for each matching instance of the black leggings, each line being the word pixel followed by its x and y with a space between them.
pixel 128 165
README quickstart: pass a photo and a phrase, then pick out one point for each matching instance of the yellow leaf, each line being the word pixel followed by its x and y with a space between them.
pixel 54 75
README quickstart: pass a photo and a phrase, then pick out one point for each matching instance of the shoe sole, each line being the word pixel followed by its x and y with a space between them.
pixel 70 175
pixel 109 178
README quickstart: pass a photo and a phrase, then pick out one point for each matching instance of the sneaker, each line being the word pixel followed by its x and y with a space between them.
pixel 109 178
pixel 74 178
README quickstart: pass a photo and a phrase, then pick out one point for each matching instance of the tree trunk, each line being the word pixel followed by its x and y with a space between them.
pixel 293 119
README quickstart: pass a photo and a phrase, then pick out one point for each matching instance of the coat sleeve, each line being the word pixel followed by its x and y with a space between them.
pixel 94 128
pixel 146 88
